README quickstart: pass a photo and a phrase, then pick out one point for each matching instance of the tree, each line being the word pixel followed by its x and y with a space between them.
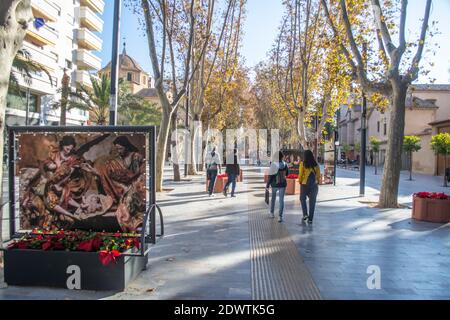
pixel 375 145
pixel 135 110
pixel 395 76
pixel 171 26
pixel 411 144
pixel 25 66
pixel 440 144
pixel 15 16
pixel 95 100
pixel 219 61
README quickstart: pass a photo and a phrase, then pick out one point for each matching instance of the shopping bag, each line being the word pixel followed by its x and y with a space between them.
pixel 266 196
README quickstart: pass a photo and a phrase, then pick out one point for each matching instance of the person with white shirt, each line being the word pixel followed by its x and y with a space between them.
pixel 213 166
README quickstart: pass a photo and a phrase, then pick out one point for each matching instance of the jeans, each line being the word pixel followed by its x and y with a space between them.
pixel 274 198
pixel 311 193
pixel 232 181
pixel 212 175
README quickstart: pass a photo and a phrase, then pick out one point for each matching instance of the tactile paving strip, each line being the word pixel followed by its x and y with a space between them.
pixel 278 271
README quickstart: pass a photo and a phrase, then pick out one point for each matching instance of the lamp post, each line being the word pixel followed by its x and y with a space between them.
pixel 115 64
pixel 362 158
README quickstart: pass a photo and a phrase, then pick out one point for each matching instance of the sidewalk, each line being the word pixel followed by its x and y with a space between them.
pixel 228 248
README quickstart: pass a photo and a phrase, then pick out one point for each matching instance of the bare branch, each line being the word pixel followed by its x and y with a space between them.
pixel 413 72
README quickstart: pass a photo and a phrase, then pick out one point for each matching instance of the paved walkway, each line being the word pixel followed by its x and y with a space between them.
pixel 211 249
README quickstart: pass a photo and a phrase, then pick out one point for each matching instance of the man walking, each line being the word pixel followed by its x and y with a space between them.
pixel 212 163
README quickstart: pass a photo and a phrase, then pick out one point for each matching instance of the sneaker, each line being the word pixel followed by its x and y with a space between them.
pixel 233 196
pixel 305 218
pixel 310 222
pixel 271 215
pixel 280 219
pixel 224 192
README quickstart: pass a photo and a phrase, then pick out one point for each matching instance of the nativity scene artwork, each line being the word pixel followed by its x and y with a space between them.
pixel 82 181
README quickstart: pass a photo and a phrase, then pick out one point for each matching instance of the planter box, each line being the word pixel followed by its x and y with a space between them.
pixel 60 268
pixel 220 183
pixel 431 210
pixel 293 187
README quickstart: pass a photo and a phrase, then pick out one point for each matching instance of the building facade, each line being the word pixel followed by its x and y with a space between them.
pixel 139 81
pixel 427 113
pixel 61 39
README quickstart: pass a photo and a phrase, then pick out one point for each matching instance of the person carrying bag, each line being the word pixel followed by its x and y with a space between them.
pixel 277 180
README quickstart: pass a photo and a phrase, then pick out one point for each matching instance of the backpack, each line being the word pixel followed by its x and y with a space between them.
pixel 311 180
pixel 280 178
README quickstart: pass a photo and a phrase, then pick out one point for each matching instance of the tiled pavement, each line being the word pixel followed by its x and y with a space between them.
pixel 205 253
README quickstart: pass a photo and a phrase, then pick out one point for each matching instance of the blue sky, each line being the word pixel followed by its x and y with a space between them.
pixel 260 30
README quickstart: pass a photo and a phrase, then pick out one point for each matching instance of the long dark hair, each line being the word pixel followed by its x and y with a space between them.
pixel 308 159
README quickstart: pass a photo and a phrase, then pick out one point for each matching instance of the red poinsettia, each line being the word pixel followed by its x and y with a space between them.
pixel 106 257
pixel 109 245
pixel 432 195
pixel 292 176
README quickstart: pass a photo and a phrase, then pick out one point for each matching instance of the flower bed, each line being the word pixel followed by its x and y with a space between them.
pixel 431 207
pixel 108 245
pixel 74 260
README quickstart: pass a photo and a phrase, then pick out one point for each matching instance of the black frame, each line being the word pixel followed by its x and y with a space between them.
pixel 151 158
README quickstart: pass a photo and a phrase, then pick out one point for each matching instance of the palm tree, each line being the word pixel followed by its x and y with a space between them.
pixel 95 100
pixel 23 64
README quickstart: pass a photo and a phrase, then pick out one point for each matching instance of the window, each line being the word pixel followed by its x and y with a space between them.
pixel 68 64
pixel 19 101
pixel 378 126
pixel 144 79
pixel 385 128
pixel 129 76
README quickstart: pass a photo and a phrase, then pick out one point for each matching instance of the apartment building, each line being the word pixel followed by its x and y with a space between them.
pixel 63 38
pixel 427 113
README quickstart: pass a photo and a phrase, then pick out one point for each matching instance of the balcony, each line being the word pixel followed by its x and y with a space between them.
pixel 95 5
pixel 41 56
pixel 43 36
pixel 45 9
pixel 83 77
pixel 90 20
pixel 87 61
pixel 88 40
pixel 39 82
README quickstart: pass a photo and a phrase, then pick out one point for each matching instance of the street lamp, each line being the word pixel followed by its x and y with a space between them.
pixel 362 159
pixel 115 64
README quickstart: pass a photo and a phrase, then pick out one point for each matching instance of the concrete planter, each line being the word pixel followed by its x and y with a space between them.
pixel 70 269
pixel 293 187
pixel 431 210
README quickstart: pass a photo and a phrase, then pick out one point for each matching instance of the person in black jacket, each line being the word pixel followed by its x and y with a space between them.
pixel 232 170
pixel 277 180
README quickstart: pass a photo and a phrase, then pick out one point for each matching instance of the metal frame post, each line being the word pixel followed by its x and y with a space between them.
pixel 11 184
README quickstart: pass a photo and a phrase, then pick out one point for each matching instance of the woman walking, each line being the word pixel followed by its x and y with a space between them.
pixel 277 180
pixel 309 179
